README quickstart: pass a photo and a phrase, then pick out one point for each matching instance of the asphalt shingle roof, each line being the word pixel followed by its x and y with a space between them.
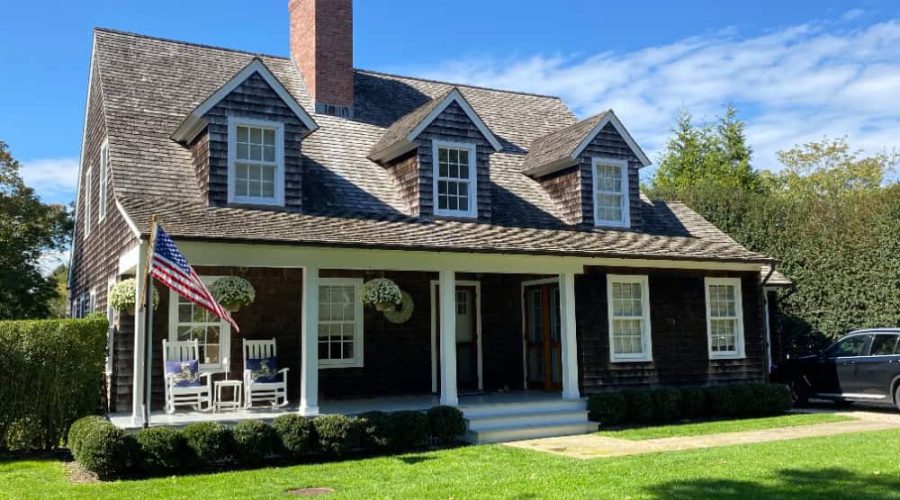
pixel 149 85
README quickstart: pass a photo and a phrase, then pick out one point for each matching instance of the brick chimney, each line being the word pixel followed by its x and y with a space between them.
pixel 322 47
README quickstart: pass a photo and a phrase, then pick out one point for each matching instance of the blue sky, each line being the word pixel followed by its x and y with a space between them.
pixel 798 70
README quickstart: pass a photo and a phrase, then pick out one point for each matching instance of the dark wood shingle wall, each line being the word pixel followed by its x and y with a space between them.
pixel 609 144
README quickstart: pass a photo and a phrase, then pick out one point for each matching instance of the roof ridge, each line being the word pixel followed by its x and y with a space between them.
pixel 457 84
pixel 183 42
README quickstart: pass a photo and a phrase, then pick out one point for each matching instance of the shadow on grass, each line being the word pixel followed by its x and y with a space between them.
pixel 415 459
pixel 789 483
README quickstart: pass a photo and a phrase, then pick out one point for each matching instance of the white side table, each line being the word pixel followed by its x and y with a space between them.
pixel 234 403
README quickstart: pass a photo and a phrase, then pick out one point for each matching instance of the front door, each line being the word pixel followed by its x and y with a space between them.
pixel 543 353
pixel 467 379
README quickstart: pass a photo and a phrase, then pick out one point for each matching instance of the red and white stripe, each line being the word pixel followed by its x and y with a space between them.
pixel 189 286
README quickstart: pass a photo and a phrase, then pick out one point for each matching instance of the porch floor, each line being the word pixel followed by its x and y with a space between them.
pixel 185 416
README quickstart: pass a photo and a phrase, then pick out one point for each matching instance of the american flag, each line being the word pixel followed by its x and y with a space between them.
pixel 172 269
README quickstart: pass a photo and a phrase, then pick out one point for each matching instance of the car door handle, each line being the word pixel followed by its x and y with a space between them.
pixel 848 362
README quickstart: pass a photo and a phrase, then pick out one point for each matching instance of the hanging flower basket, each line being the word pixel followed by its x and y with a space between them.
pixel 122 296
pixel 381 293
pixel 402 311
pixel 233 292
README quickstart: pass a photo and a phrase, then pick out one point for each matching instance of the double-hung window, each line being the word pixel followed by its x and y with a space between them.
pixel 628 299
pixel 104 173
pixel 340 323
pixel 610 178
pixel 87 202
pixel 188 321
pixel 255 162
pixel 455 190
pixel 724 318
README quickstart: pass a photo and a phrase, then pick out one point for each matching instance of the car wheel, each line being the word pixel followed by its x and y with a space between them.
pixel 799 392
pixel 897 396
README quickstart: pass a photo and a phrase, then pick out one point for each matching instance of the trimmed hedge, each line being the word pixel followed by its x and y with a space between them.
pixel 635 406
pixel 102 448
pixel 52 374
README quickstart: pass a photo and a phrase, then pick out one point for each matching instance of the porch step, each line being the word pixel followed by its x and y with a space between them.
pixel 512 421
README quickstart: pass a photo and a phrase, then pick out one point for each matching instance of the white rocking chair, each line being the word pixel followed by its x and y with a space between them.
pixel 274 392
pixel 192 395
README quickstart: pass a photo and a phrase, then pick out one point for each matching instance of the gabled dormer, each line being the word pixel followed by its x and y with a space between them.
pixel 591 169
pixel 439 155
pixel 245 142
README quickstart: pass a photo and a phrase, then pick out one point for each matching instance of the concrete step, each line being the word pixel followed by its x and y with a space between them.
pixel 519 433
pixel 526 419
pixel 520 407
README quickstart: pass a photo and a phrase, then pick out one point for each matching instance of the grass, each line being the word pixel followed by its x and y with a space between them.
pixel 718 426
pixel 860 466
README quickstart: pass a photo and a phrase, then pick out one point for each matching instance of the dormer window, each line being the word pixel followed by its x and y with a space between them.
pixel 255 162
pixel 455 190
pixel 611 192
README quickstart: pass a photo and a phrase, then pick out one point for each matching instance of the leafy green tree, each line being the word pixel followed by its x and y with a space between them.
pixel 59 303
pixel 28 229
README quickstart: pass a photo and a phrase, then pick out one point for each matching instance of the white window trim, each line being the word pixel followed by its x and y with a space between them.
pixel 626 204
pixel 233 123
pixel 358 346
pixel 224 331
pixel 472 212
pixel 104 174
pixel 92 300
pixel 646 337
pixel 739 353
pixel 88 176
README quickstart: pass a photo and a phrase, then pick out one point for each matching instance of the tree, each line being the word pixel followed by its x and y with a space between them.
pixel 28 229
pixel 59 303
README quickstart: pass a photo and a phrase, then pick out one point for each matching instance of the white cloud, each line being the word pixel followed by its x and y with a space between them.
pixel 792 85
pixel 53 179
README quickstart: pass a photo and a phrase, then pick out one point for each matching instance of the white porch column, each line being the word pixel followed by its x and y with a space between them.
pixel 138 370
pixel 309 343
pixel 447 287
pixel 569 344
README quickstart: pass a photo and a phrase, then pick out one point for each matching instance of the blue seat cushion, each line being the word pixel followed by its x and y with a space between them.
pixel 184 373
pixel 263 370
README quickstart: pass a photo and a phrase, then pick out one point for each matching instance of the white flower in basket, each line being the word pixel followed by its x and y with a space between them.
pixel 123 294
pixel 233 292
pixel 381 293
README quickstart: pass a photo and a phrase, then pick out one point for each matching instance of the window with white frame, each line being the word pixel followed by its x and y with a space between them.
pixel 92 304
pixel 340 323
pixel 724 318
pixel 629 318
pixel 455 190
pixel 104 173
pixel 611 192
pixel 188 321
pixel 87 202
pixel 255 162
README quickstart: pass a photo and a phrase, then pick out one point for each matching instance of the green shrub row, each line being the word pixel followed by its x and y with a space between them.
pixel 108 451
pixel 636 406
pixel 51 373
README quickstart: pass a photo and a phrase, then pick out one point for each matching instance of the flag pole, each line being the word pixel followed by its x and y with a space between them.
pixel 147 308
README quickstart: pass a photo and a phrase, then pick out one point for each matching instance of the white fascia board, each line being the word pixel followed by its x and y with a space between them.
pixel 614 120
pixel 457 97
pixel 87 106
pixel 131 225
pixel 193 123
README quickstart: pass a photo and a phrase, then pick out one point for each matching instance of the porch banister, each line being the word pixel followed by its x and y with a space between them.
pixel 448 338
pixel 138 371
pixel 309 343
pixel 569 344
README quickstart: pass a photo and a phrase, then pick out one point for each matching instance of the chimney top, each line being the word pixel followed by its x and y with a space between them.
pixel 322 48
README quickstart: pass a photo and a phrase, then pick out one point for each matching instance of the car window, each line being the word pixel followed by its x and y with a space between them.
pixel 883 345
pixel 850 346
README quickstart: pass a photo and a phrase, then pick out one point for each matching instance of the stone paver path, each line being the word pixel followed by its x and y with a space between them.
pixel 595 446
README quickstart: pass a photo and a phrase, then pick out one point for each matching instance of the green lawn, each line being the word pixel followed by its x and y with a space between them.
pixel 715 427
pixel 861 466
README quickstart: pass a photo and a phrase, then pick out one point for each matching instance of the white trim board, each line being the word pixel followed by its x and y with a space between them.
pixel 624 193
pixel 434 349
pixel 192 125
pixel 87 107
pixel 472 181
pixel 646 355
pixel 739 343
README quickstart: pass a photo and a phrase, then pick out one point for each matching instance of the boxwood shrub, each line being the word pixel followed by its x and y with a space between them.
pixel 254 441
pixel 635 406
pixel 296 435
pixel 376 431
pixel 447 424
pixel 162 450
pixel 210 442
pixel 101 447
pixel 410 430
pixel 337 434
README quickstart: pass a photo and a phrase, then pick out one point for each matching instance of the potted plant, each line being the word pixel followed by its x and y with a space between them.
pixel 381 293
pixel 122 296
pixel 403 311
pixel 233 292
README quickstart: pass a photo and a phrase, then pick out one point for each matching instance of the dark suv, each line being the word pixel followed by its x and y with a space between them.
pixel 863 366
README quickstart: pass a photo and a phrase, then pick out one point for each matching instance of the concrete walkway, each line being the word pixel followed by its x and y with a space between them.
pixel 595 446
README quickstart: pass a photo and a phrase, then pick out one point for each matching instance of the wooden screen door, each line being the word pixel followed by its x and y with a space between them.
pixel 466 337
pixel 543 353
